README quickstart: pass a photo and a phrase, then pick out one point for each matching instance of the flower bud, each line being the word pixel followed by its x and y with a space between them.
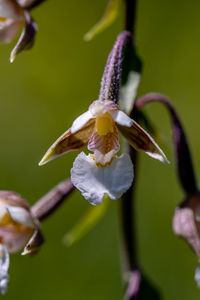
pixel 186 224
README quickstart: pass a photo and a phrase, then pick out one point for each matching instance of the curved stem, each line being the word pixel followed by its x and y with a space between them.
pixel 183 156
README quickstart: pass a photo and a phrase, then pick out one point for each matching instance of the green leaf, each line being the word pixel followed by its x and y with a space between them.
pixel 86 223
pixel 107 19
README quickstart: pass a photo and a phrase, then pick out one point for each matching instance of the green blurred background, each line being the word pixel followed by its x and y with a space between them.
pixel 42 93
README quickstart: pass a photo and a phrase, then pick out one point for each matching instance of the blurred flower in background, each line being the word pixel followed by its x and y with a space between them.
pixel 17 225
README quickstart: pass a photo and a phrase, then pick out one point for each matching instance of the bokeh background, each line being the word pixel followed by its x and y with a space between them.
pixel 41 94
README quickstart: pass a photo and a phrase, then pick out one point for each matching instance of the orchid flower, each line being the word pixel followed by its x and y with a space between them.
pixel 14 18
pixel 11 20
pixel 103 172
pixel 17 225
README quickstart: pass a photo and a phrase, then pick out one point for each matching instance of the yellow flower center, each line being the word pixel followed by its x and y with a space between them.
pixel 104 124
pixel 2 19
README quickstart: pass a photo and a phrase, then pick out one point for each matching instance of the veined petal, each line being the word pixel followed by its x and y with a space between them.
pixel 4 265
pixel 20 215
pixel 69 142
pixel 81 121
pixel 9 29
pixel 122 119
pixel 104 146
pixel 15 237
pixel 141 140
pixel 10 9
pixel 94 182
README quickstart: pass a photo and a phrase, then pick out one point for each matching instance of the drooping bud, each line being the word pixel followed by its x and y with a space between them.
pixel 183 158
pixel 186 222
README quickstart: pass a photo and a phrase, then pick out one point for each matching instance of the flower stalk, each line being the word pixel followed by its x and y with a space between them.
pixel 52 200
pixel 186 220
pixel 183 158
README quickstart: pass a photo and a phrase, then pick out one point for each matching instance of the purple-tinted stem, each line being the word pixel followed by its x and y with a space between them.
pixel 183 156
pixel 52 200
pixel 111 79
pixel 127 202
pixel 127 218
pixel 130 15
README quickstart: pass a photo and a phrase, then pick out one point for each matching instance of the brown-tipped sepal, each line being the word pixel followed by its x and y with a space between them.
pixel 27 36
pixel 34 244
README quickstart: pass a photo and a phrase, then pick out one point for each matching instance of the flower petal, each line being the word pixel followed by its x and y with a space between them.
pixel 15 238
pixel 9 30
pixel 69 142
pixel 81 121
pixel 10 9
pixel 27 37
pixel 4 265
pixel 141 140
pixel 34 244
pixel 104 146
pixel 122 119
pixel 94 182
pixel 20 215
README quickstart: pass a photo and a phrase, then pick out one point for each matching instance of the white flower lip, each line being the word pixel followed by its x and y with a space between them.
pixel 94 182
